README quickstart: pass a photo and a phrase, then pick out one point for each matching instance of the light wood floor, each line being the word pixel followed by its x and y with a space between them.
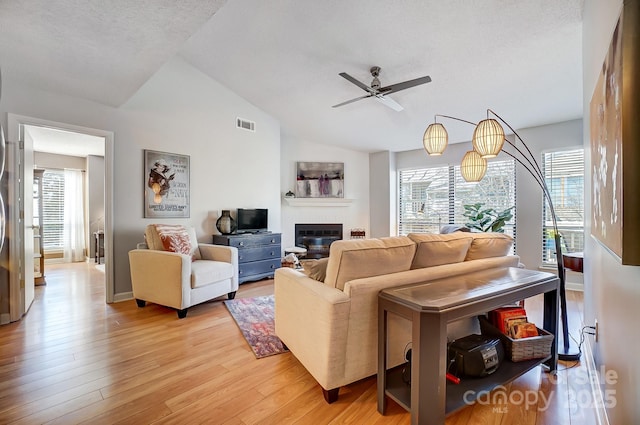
pixel 74 359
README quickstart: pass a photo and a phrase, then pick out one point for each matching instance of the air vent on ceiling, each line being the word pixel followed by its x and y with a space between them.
pixel 245 124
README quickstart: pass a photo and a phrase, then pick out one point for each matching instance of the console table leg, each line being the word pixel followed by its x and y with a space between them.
pixel 382 357
pixel 428 369
pixel 550 323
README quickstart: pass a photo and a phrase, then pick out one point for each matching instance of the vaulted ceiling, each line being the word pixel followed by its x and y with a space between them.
pixel 519 58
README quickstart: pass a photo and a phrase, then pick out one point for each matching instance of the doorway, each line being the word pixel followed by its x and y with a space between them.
pixel 46 138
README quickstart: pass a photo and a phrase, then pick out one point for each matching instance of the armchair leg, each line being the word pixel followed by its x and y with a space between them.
pixel 182 313
pixel 231 295
pixel 141 303
pixel 330 395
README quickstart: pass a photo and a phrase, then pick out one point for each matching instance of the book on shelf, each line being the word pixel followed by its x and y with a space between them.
pixel 512 321
pixel 499 317
pixel 523 330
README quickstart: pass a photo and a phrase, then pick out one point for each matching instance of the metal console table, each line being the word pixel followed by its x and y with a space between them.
pixel 430 306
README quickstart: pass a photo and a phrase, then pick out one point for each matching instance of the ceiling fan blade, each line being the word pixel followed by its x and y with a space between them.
pixel 405 85
pixel 352 100
pixel 387 101
pixel 357 83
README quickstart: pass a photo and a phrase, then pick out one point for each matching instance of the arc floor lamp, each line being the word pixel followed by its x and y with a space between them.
pixel 488 141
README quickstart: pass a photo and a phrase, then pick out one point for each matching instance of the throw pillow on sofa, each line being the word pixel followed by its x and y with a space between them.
pixel 437 249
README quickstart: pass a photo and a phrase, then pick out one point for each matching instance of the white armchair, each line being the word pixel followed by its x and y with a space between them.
pixel 181 280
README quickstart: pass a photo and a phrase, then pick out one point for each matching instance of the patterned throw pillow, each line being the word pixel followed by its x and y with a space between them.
pixel 174 238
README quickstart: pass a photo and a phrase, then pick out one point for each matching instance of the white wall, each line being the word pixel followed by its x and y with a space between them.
pixel 356 187
pixel 59 162
pixel 179 110
pixel 383 192
pixel 612 291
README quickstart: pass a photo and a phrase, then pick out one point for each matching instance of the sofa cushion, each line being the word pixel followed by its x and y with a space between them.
pixel 205 272
pixel 436 249
pixel 487 245
pixel 359 258
pixel 316 269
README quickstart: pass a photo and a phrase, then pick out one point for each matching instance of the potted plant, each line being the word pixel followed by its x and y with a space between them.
pixel 486 219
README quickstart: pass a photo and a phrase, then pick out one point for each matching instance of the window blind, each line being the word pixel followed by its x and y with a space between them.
pixel 423 200
pixel 564 174
pixel 53 209
pixel 431 197
pixel 496 190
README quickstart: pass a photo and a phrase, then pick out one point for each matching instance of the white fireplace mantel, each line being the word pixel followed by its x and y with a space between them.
pixel 318 202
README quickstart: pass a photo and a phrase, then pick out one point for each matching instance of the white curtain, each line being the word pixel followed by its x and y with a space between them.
pixel 73 230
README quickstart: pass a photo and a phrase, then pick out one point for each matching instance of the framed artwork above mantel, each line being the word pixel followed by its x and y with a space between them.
pixel 319 180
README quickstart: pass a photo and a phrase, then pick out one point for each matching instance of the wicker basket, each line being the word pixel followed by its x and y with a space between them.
pixel 535 347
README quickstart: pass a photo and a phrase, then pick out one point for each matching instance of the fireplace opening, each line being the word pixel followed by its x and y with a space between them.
pixel 317 238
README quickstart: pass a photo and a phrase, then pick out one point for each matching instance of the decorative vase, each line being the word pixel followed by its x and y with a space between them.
pixel 226 224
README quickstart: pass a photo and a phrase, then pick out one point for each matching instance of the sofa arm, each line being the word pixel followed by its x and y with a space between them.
pixel 312 319
pixel 161 277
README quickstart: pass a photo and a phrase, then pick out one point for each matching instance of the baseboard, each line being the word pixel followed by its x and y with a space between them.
pixel 122 296
pixel 572 286
pixel 596 388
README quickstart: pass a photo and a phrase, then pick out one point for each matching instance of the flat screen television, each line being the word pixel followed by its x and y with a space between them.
pixel 252 220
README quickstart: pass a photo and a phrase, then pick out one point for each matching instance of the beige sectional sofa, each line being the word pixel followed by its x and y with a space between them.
pixel 330 325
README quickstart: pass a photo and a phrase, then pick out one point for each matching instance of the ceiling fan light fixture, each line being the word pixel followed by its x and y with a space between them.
pixel 473 167
pixel 380 93
pixel 435 139
pixel 488 138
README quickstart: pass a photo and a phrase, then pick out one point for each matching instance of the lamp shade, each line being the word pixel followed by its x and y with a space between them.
pixel 473 166
pixel 435 139
pixel 488 138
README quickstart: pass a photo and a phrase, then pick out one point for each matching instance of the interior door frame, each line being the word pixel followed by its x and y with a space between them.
pixel 20 228
pixel 16 124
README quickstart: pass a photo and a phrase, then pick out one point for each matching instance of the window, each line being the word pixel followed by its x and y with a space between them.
pixel 564 174
pixel 53 210
pixel 424 200
pixel 431 197
pixel 496 190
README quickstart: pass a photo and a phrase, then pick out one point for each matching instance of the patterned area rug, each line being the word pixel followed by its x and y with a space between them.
pixel 255 318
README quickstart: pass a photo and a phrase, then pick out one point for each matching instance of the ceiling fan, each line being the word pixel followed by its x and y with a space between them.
pixel 380 93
